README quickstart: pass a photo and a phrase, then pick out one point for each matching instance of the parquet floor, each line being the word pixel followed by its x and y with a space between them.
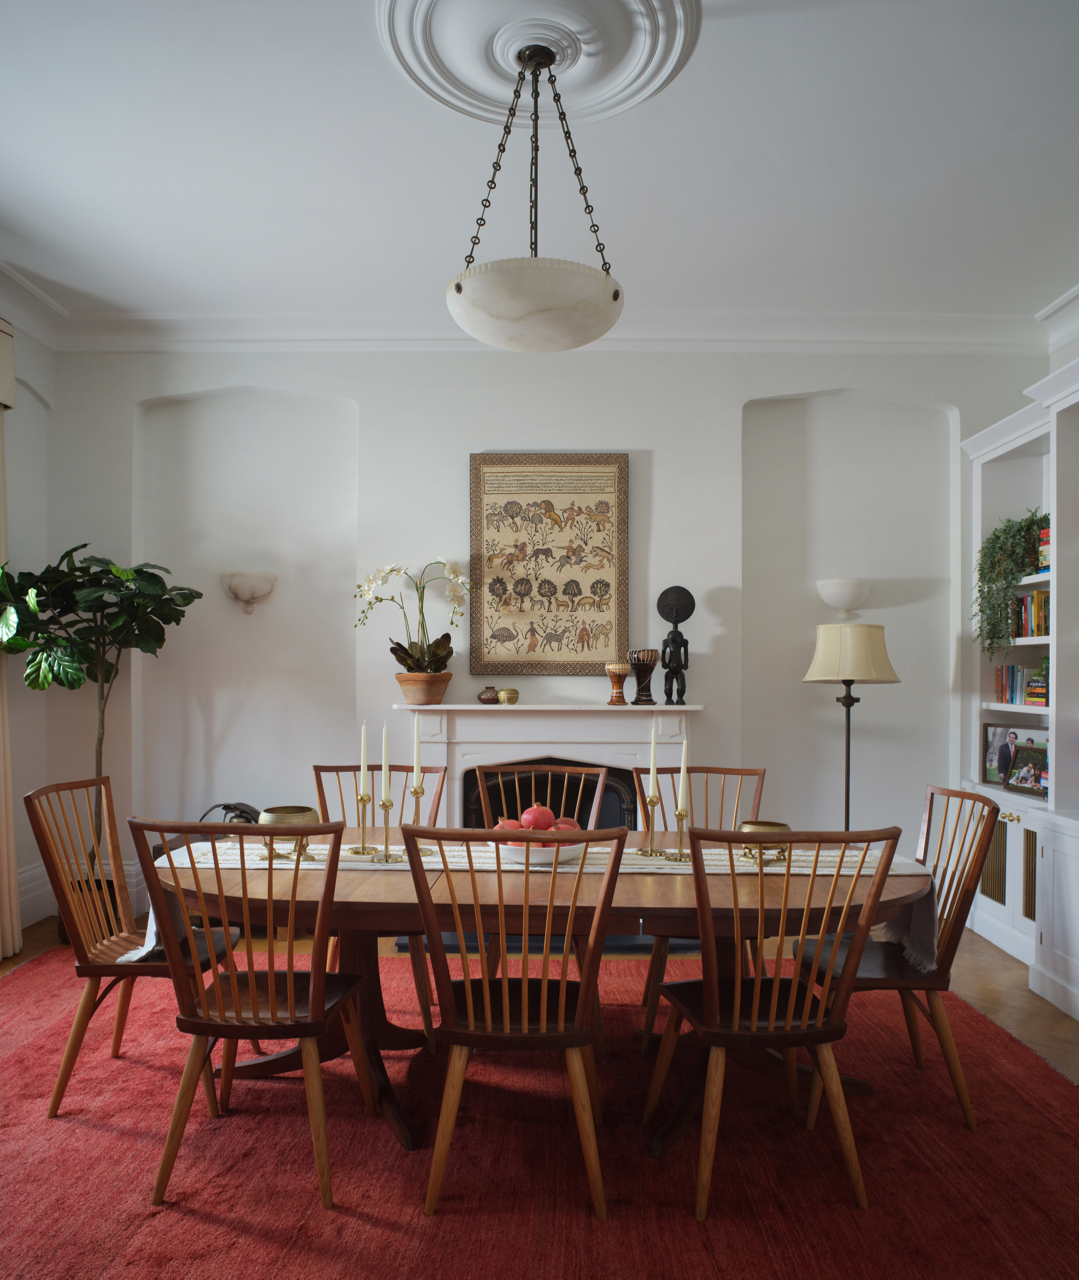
pixel 983 975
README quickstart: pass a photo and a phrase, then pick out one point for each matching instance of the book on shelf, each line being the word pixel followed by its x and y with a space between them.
pixel 1043 551
pixel 1032 615
pixel 1022 686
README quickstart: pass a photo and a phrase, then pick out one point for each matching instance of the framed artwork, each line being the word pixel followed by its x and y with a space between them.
pixel 549 573
pixel 1029 771
pixel 1001 743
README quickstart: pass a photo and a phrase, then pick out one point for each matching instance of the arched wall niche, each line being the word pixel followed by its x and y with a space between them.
pixel 238 706
pixel 843 484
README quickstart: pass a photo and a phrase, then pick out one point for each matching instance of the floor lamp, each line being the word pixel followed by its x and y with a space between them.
pixel 846 653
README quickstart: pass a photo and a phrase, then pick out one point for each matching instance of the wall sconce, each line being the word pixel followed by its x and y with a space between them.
pixel 844 594
pixel 249 587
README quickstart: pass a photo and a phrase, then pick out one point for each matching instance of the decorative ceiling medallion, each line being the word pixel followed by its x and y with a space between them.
pixel 612 54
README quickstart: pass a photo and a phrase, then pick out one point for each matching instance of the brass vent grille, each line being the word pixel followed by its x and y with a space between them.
pixel 993 873
pixel 1030 872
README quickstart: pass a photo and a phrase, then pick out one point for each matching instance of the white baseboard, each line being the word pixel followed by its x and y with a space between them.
pixel 1055 989
pixel 1002 935
pixel 36 899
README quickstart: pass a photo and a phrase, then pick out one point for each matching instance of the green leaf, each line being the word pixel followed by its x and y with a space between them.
pixel 65 668
pixel 31 600
pixel 125 574
pixel 37 674
pixel 17 645
pixel 9 623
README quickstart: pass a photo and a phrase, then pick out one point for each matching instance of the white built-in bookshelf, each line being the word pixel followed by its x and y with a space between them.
pixel 1029 900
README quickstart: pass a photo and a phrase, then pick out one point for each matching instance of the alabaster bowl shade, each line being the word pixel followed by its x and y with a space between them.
pixel 535 304
pixel 844 594
pixel 850 652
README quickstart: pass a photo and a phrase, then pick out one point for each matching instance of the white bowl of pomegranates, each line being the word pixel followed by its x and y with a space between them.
pixel 538 818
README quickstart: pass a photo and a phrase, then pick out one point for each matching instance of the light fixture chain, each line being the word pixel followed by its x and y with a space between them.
pixel 496 168
pixel 533 176
pixel 600 246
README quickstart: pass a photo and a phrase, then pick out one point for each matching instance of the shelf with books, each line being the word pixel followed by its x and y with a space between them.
pixel 1026 640
pixel 1042 580
pixel 1017 707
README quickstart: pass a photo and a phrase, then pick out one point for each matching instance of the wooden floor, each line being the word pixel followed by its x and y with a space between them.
pixel 983 975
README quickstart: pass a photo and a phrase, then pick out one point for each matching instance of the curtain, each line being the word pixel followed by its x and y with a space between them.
pixel 10 919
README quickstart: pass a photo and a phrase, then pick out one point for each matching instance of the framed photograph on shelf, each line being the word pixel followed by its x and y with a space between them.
pixel 1029 771
pixel 549 572
pixel 1001 743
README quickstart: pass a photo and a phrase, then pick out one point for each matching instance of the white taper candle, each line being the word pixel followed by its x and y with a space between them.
pixel 385 763
pixel 684 779
pixel 365 780
pixel 415 748
pixel 653 784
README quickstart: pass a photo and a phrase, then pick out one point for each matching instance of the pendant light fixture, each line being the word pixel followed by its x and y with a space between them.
pixel 534 303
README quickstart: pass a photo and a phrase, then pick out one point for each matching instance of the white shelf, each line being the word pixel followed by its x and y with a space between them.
pixel 498 709
pixel 1016 706
pixel 1037 579
pixel 1024 640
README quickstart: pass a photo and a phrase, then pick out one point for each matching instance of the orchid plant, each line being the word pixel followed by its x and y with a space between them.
pixel 420 653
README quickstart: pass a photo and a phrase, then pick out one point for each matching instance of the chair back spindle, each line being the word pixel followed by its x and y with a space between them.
pixel 507 790
pixel 719 798
pixel 830 884
pixel 338 787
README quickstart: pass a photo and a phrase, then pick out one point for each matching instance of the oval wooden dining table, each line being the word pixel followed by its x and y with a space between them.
pixel 372 901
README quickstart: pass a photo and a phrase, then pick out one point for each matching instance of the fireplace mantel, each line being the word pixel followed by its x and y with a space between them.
pixel 464 735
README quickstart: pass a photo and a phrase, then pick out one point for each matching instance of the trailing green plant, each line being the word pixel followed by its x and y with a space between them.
pixel 1006 556
pixel 419 652
pixel 73 620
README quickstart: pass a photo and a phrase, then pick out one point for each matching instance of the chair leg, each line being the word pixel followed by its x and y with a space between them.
pixel 833 1086
pixel 123 1003
pixel 494 955
pixel 228 1065
pixel 951 1056
pixel 75 1037
pixel 589 1057
pixel 667 1047
pixel 600 1040
pixel 713 1097
pixel 451 1098
pixel 333 954
pixel 418 955
pixel 316 1111
pixel 256 1046
pixel 790 1071
pixel 910 1012
pixel 816 1088
pixel 210 1090
pixel 578 1084
pixel 350 1020
pixel 189 1082
pixel 657 967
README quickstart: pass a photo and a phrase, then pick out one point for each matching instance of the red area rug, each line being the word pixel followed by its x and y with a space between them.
pixel 244 1202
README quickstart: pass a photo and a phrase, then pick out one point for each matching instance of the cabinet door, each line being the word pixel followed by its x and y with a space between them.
pixel 1004 908
pixel 1058 915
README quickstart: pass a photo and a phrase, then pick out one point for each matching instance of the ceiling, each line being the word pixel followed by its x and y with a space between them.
pixel 255 174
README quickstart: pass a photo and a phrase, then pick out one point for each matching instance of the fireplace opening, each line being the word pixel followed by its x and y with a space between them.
pixel 617 809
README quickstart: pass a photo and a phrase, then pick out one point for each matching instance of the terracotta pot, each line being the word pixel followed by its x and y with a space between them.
pixel 423 688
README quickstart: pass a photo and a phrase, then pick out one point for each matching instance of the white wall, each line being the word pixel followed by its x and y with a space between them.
pixel 235 705
pixel 26 459
pixel 679 416
pixel 853 487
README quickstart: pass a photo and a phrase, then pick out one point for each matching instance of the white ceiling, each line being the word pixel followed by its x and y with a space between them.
pixel 259 172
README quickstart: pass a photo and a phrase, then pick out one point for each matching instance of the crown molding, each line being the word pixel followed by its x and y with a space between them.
pixel 1061 319
pixel 801 332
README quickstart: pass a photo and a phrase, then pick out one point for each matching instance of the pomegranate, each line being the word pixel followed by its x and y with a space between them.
pixel 567 824
pixel 538 818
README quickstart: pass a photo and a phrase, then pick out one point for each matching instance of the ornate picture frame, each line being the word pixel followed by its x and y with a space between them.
pixel 541 523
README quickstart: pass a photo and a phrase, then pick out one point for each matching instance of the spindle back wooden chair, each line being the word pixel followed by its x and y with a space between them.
pixel 828 882
pixel 956 832
pixel 543 1008
pixel 339 794
pixel 507 790
pixel 86 873
pixel 719 799
pixel 252 875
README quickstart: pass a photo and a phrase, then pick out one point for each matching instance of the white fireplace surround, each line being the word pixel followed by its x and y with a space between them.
pixel 464 735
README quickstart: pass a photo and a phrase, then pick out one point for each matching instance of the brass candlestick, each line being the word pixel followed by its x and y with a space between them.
pixel 651 851
pixel 416 792
pixel 681 855
pixel 365 850
pixel 386 806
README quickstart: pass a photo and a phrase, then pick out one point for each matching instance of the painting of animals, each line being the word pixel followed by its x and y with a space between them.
pixel 549 535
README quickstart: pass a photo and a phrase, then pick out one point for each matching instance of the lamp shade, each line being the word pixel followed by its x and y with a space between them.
pixel 850 652
pixel 534 304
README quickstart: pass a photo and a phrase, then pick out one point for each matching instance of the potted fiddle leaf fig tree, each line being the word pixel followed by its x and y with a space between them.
pixel 75 619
